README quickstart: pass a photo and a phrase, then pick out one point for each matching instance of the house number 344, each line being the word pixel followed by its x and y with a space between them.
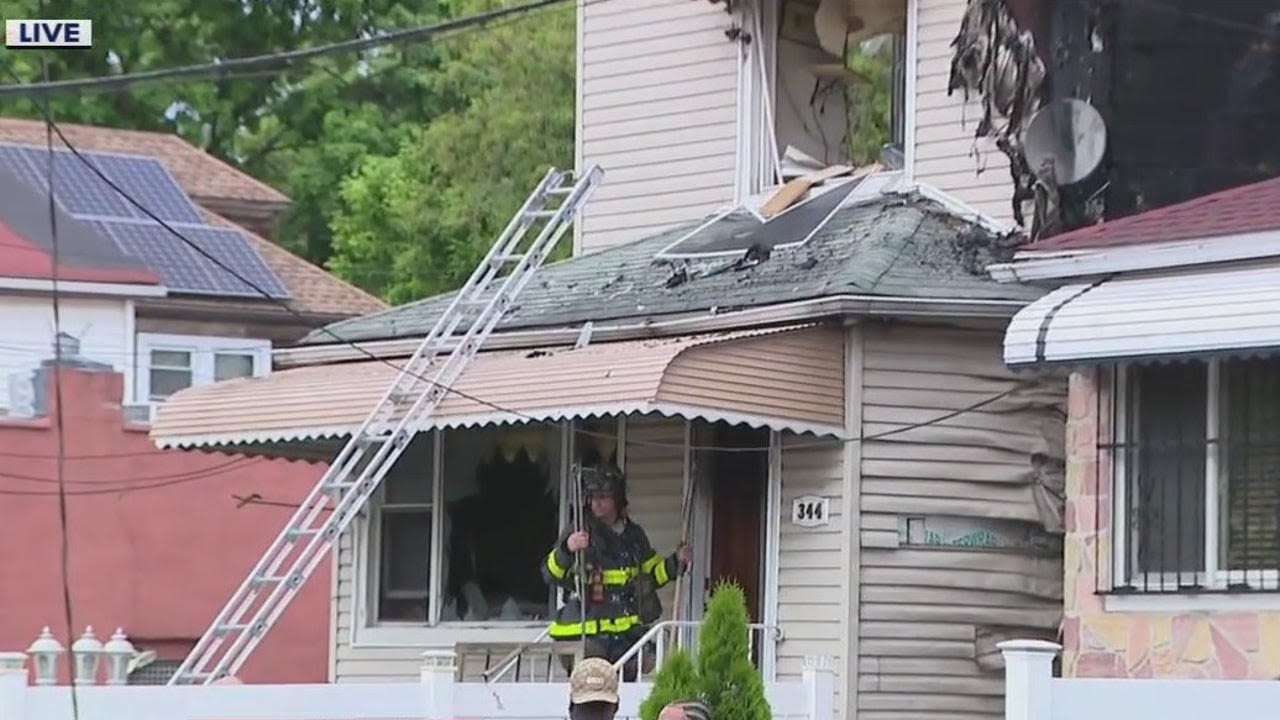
pixel 810 511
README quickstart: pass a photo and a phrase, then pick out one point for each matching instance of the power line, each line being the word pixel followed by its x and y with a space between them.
pixel 59 426
pixel 170 482
pixel 226 68
pixel 237 463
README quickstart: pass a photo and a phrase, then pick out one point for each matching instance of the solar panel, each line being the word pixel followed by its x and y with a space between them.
pixel 739 230
pixel 150 183
pixel 177 264
pixel 77 189
pixel 233 251
pixel 183 269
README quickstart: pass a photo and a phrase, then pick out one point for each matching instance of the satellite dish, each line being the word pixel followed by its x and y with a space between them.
pixel 1071 134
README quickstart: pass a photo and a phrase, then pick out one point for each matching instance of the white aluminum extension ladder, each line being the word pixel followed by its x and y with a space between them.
pixel 354 475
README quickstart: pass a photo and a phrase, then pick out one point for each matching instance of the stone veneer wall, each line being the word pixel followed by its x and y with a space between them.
pixel 1097 643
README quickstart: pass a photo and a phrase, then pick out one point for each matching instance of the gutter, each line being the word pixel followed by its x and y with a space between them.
pixel 83 287
pixel 1055 265
pixel 864 305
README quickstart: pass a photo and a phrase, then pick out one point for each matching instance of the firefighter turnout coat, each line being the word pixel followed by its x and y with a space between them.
pixel 621 569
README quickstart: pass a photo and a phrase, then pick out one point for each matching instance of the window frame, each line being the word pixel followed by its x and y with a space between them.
pixel 366 630
pixel 204 350
pixel 1214 578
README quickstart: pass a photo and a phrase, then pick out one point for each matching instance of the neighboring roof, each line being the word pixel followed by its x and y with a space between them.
pixel 84 255
pixel 203 177
pixel 784 378
pixel 899 244
pixel 1239 210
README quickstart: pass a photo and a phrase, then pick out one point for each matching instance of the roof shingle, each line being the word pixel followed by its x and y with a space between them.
pixel 900 245
pixel 1245 209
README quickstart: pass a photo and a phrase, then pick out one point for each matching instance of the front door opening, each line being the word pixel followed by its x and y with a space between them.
pixel 736 474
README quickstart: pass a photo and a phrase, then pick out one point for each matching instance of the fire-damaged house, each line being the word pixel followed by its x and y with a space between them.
pixel 1108 107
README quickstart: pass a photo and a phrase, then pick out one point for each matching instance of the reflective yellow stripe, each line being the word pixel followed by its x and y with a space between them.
pixel 619 577
pixel 657 567
pixel 554 567
pixel 593 627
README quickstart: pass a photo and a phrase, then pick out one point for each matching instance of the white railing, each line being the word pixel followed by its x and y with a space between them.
pixel 651 650
pixel 437 696
pixel 523 662
pixel 1033 693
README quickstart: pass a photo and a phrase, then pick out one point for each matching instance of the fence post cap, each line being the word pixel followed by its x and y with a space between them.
pixel 1036 647
pixel 13 662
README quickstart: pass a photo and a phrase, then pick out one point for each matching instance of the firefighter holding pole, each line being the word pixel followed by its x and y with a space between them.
pixel 608 567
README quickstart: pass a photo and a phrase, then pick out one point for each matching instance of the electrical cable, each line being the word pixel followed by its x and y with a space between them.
pixel 223 69
pixel 59 423
pixel 171 482
pixel 478 400
pixel 235 462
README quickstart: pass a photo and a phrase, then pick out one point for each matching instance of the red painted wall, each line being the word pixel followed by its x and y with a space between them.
pixel 158 540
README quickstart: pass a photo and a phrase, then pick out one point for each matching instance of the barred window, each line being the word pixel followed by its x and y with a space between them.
pixel 1198 476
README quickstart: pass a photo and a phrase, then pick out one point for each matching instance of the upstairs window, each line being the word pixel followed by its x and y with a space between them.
pixel 835 90
pixel 169 363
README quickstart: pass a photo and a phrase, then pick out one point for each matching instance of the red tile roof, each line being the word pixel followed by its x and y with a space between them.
pixel 1245 209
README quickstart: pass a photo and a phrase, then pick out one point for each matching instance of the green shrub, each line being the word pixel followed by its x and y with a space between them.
pixel 723 676
pixel 731 685
pixel 677 679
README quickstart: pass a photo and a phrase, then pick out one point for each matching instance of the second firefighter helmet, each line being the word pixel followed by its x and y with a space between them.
pixel 605 479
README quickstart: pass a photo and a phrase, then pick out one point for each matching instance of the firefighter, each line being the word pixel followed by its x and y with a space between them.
pixel 621 576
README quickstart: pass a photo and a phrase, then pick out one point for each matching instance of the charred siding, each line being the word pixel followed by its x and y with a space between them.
pixel 930 615
pixel 658 84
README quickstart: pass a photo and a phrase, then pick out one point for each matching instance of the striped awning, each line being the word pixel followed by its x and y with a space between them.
pixel 1169 316
pixel 789 378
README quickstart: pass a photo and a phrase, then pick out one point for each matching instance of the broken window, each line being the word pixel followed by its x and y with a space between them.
pixel 833 93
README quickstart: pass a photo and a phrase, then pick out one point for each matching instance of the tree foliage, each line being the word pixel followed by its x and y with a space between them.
pixel 416 223
pixel 677 679
pixel 723 675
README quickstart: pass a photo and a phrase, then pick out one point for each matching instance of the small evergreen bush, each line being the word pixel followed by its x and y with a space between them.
pixel 723 676
pixel 677 679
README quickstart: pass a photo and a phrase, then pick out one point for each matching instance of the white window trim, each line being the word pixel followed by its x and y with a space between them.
pixel 202 349
pixel 1159 593
pixel 367 632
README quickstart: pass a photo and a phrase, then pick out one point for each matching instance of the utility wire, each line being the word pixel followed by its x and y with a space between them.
pixel 235 462
pixel 225 68
pixel 60 430
pixel 170 482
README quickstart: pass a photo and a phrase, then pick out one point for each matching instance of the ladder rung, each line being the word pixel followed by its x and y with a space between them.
pixel 542 213
pixel 565 190
pixel 510 258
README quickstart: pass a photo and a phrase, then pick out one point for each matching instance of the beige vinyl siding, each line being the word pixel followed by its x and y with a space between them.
pixel 658 112
pixel 655 461
pixel 812 593
pixel 929 615
pixel 944 142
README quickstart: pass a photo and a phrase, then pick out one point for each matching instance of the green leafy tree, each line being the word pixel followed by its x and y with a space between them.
pixel 677 679
pixel 415 223
pixel 301 128
pixel 731 685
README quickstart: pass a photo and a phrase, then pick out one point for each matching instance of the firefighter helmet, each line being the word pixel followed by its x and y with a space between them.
pixel 605 478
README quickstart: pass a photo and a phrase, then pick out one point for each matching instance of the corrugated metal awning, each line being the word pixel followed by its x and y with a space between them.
pixel 1169 316
pixel 788 378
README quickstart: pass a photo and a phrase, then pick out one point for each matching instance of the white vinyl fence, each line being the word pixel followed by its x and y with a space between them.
pixel 436 697
pixel 1033 693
